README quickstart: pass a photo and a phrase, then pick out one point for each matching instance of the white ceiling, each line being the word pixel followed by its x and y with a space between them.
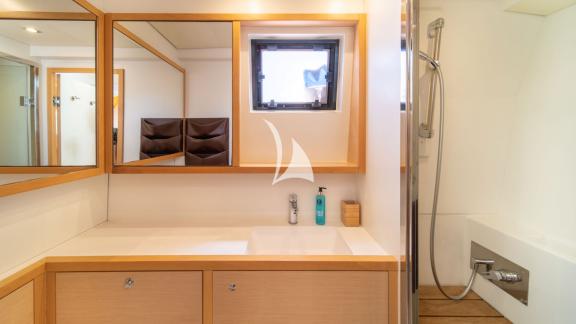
pixel 195 35
pixel 538 7
pixel 41 5
pixel 53 33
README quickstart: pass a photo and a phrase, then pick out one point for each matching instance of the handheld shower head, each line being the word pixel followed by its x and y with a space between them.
pixel 435 36
pixel 434 27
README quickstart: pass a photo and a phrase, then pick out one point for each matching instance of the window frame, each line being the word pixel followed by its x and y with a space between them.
pixel 332 44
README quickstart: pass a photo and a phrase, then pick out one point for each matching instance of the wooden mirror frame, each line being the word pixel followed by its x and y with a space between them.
pixel 357 138
pixel 64 174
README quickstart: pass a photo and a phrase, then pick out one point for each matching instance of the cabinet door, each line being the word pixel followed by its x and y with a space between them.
pixel 300 297
pixel 18 307
pixel 129 297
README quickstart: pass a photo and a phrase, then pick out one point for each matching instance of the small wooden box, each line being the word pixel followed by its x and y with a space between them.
pixel 350 213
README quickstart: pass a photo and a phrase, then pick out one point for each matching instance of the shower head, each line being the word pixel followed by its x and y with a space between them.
pixel 434 27
pixel 435 36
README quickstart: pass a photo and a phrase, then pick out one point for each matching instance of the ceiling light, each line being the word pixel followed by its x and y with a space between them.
pixel 32 30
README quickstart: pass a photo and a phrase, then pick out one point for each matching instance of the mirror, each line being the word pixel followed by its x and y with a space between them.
pixel 47 89
pixel 172 93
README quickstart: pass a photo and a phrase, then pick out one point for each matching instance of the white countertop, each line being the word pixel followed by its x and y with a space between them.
pixel 110 239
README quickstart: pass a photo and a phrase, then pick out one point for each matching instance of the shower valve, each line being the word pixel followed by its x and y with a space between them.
pixel 503 275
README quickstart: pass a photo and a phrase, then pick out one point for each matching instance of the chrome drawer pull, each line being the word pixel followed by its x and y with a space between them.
pixel 128 283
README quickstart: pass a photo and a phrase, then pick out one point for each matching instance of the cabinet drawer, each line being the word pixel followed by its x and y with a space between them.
pixel 300 297
pixel 129 297
pixel 18 307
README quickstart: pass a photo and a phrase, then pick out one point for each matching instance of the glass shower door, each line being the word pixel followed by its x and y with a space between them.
pixel 17 114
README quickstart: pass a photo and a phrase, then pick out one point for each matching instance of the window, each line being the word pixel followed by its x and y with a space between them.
pixel 294 74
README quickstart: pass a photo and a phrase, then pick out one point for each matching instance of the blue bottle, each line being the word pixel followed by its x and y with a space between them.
pixel 320 207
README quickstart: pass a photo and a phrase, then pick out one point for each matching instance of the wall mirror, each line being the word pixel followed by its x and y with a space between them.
pixel 172 94
pixel 48 93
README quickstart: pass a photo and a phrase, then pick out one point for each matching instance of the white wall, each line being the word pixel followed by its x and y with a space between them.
pixel 209 87
pixel 14 48
pixel 508 181
pixel 322 134
pixel 33 222
pixel 221 200
pixel 540 173
pixel 536 221
pixel 379 188
pixel 483 66
pixel 152 89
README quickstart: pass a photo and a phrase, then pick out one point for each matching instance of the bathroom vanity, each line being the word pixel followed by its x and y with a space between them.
pixel 118 274
pixel 207 94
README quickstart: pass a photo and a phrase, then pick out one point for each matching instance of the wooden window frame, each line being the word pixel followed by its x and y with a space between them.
pixel 283 44
pixel 66 174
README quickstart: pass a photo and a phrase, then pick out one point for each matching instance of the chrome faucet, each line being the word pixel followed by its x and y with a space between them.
pixel 293 203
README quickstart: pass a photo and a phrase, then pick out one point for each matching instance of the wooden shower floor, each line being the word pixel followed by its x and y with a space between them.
pixel 437 309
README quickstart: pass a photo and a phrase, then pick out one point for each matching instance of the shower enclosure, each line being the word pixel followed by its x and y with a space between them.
pixel 489 180
pixel 18 113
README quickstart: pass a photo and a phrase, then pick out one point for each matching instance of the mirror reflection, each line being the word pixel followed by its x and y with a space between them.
pixel 47 95
pixel 172 93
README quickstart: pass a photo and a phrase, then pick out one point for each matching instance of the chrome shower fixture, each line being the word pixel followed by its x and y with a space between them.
pixel 435 34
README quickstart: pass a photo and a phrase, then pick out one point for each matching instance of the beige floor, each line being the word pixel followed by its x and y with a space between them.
pixel 437 309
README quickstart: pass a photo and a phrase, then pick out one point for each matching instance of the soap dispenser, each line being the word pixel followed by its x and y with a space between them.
pixel 320 207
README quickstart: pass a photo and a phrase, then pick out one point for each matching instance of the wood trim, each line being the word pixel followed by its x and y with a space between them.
pixel 238 20
pixel 28 185
pixel 236 41
pixel 207 297
pixel 108 102
pixel 53 140
pixel 101 85
pixel 361 35
pixel 393 298
pixel 119 153
pixel 43 170
pixel 21 278
pixel 345 19
pixel 147 46
pixel 50 297
pixel 39 299
pixel 217 262
pixel 154 160
pixel 31 15
pixel 123 169
pixel 24 186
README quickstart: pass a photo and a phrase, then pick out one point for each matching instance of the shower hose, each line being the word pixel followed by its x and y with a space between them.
pixel 438 72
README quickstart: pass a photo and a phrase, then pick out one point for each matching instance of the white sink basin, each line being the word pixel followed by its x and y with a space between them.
pixel 301 240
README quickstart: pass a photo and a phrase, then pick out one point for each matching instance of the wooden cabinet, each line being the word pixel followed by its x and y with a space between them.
pixel 300 297
pixel 129 297
pixel 18 307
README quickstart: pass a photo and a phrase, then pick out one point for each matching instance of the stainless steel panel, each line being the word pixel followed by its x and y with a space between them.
pixel 518 290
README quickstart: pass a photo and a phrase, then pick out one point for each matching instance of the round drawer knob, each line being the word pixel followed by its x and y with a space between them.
pixel 128 283
pixel 232 287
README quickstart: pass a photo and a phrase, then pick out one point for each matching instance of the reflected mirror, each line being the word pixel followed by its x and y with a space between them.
pixel 47 90
pixel 172 93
